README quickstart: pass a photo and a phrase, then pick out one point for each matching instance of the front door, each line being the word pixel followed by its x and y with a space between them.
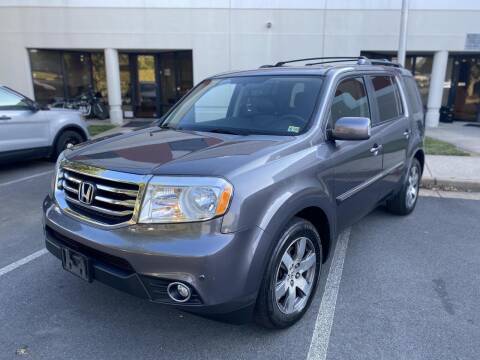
pixel 20 127
pixel 159 80
pixel 146 87
pixel 358 164
pixel 465 90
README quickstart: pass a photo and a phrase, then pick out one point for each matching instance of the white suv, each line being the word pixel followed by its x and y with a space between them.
pixel 28 131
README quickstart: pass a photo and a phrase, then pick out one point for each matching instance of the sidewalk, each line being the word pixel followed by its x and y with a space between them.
pixel 452 173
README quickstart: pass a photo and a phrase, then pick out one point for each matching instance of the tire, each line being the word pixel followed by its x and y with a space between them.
pixel 406 199
pixel 100 111
pixel 274 311
pixel 64 139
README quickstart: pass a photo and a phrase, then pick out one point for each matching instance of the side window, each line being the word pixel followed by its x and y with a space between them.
pixel 11 101
pixel 388 97
pixel 350 100
pixel 413 94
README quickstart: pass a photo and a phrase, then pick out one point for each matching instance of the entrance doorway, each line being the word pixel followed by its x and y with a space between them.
pixel 464 95
pixel 156 81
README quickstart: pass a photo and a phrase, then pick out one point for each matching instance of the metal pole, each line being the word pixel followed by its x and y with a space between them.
pixel 402 44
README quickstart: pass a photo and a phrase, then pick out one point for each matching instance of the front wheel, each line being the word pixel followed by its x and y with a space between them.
pixel 291 277
pixel 65 140
pixel 405 200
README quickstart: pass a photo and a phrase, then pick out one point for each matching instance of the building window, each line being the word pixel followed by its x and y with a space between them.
pixel 422 71
pixel 47 74
pixel 59 75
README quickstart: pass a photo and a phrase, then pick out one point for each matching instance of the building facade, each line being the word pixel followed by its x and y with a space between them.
pixel 141 56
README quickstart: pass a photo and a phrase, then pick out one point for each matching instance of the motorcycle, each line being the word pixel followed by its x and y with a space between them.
pixel 89 104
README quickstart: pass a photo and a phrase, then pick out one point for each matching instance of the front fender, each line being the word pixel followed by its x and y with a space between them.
pixel 275 220
pixel 60 120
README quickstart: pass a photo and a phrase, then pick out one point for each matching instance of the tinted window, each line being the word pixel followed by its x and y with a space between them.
pixel 11 101
pixel 278 105
pixel 411 89
pixel 387 96
pixel 350 100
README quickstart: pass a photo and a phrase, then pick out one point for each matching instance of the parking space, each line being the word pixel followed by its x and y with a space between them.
pixel 409 290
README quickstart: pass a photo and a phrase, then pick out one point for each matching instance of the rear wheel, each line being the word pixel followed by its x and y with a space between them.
pixel 291 277
pixel 66 139
pixel 404 202
pixel 100 111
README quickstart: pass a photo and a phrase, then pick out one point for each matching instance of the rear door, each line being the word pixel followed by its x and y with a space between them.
pixel 358 164
pixel 20 127
pixel 394 128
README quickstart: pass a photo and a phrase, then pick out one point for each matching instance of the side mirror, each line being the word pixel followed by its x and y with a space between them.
pixel 351 128
pixel 34 106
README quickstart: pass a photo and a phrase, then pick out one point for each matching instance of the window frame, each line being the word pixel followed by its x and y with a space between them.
pixel 399 97
pixel 362 76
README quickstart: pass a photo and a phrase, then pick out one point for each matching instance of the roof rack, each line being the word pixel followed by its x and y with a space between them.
pixel 360 60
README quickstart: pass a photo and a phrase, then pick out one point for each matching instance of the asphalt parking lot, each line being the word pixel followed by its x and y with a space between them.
pixel 397 288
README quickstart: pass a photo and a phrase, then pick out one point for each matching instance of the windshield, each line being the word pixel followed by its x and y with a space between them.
pixel 276 105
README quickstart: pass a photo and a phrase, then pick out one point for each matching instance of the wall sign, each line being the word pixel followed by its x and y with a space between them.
pixel 472 42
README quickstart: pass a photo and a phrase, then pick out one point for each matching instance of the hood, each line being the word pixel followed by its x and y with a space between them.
pixel 163 151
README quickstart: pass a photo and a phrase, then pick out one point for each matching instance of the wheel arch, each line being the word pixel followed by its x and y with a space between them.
pixel 420 156
pixel 70 127
pixel 313 208
pixel 319 220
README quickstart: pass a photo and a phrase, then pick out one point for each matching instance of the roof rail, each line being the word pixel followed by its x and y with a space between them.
pixel 342 58
pixel 385 62
pixel 360 60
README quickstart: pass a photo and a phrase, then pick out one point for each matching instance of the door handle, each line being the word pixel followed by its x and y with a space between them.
pixel 406 133
pixel 376 149
pixel 4 117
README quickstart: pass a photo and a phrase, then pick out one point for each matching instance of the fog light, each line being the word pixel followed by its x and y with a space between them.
pixel 183 290
pixel 178 292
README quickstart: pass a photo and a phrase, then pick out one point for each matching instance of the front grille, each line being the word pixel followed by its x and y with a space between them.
pixel 113 201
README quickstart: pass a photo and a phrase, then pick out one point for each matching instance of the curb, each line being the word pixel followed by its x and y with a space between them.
pixel 450 185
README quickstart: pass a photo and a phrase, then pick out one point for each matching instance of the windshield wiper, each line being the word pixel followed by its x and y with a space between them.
pixel 228 131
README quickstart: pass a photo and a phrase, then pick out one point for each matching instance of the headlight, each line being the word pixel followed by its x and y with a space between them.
pixel 185 199
pixel 57 179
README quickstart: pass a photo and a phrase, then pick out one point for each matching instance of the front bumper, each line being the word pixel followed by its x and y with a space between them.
pixel 223 270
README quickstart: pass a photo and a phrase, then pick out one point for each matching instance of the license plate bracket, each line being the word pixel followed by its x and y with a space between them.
pixel 76 263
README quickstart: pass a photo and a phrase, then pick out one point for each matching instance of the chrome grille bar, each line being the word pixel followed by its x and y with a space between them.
pixel 117 191
pixel 116 199
pixel 99 209
pixel 126 203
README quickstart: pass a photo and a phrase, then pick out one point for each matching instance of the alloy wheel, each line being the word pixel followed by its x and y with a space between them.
pixel 295 276
pixel 412 188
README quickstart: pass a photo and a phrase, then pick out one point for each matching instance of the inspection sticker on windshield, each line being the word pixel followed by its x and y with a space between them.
pixel 294 129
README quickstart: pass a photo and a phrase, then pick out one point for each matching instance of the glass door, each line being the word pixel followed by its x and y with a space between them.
pixel 465 90
pixel 176 77
pixel 146 87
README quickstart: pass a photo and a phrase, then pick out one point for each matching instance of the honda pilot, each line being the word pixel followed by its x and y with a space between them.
pixel 232 202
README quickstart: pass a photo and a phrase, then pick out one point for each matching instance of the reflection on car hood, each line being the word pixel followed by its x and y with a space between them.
pixel 165 151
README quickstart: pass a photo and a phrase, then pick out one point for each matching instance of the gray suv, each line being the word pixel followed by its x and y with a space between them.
pixel 230 204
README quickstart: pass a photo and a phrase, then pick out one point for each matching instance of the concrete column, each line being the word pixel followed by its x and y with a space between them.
pixel 112 68
pixel 435 92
